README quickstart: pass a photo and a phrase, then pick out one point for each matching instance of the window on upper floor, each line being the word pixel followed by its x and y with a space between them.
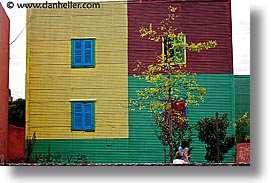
pixel 83 53
pixel 83 116
pixel 178 53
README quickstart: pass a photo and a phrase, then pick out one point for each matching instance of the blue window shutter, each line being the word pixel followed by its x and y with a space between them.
pixel 78 56
pixel 89 119
pixel 83 53
pixel 93 52
pixel 87 52
pixel 77 115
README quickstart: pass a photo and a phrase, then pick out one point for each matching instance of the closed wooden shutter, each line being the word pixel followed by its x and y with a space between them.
pixel 83 53
pixel 87 52
pixel 77 53
pixel 77 115
pixel 83 116
pixel 88 121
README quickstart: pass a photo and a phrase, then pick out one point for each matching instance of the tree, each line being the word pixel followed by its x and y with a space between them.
pixel 29 148
pixel 179 128
pixel 17 112
pixel 242 126
pixel 207 134
pixel 170 84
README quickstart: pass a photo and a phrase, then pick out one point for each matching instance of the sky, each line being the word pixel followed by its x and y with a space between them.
pixel 240 34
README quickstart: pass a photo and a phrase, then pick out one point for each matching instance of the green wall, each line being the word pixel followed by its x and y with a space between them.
pixel 242 94
pixel 142 146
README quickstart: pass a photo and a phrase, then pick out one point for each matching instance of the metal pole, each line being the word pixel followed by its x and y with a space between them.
pixel 217 137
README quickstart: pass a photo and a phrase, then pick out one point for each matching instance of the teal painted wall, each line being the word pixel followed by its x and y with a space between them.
pixel 219 98
pixel 242 94
pixel 142 146
pixel 242 97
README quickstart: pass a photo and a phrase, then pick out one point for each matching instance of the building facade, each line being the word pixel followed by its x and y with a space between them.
pixel 80 77
pixel 4 81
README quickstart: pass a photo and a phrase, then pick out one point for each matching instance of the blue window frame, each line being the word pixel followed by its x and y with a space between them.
pixel 83 116
pixel 83 53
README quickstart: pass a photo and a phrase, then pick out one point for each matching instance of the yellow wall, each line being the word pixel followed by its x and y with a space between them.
pixel 51 82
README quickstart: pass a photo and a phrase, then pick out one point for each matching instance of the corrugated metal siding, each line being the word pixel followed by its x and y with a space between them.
pixel 121 136
pixel 52 83
pixel 71 151
pixel 219 98
pixel 242 94
pixel 142 145
pixel 219 90
pixel 200 21
pixel 4 81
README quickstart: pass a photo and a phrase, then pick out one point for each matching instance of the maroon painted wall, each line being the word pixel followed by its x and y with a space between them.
pixel 4 81
pixel 199 20
pixel 16 144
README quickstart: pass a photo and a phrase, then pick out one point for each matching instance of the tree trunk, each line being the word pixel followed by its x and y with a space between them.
pixel 170 124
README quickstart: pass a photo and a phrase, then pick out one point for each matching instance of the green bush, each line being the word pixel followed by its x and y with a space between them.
pixel 242 126
pixel 206 128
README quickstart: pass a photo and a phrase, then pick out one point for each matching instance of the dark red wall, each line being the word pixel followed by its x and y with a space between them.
pixel 199 20
pixel 4 81
pixel 16 144
pixel 243 153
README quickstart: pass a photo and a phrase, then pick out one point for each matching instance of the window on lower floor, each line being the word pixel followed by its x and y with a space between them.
pixel 179 113
pixel 178 107
pixel 83 116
